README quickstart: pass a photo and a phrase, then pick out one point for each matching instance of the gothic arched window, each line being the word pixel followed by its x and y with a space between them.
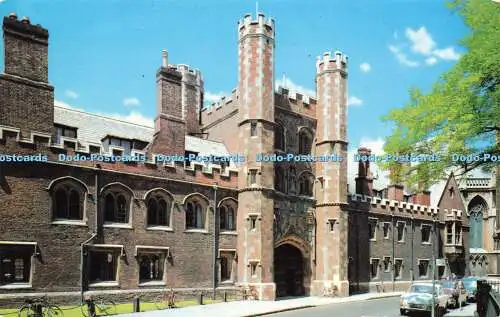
pixel 477 209
pixel 117 204
pixel 195 214
pixel 159 209
pixel 227 216
pixel 68 198
pixel 279 179
pixel 305 142
pixel 279 137
pixel 306 184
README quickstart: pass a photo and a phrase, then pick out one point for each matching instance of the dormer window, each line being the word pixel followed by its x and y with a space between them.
pixel 64 131
pixel 118 142
pixel 452 192
pixel 189 157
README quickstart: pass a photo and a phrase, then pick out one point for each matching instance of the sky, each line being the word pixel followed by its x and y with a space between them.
pixel 103 55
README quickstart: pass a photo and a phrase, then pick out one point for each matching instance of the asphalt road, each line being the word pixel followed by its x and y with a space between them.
pixel 383 307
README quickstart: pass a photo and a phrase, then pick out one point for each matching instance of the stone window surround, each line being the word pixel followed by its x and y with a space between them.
pixel 141 249
pixel 254 264
pixel 35 254
pixel 130 199
pixel 426 271
pixel 233 268
pixel 229 201
pixel 252 219
pixel 395 271
pixel 118 249
pixel 387 259
pixel 398 223
pixel 453 233
pixel 205 206
pixel 378 268
pixel 374 222
pixel 388 224
pixel 331 222
pixel 73 182
pixel 167 196
pixel 430 233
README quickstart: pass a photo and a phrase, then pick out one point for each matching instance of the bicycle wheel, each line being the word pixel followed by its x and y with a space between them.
pixel 161 302
pixel 105 308
pixel 26 311
pixel 84 310
pixel 52 311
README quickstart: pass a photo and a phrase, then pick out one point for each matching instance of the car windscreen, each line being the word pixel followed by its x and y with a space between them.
pixel 421 289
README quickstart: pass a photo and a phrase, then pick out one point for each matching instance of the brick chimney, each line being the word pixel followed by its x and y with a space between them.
pixel 170 127
pixel 423 198
pixel 395 192
pixel 27 98
pixel 364 181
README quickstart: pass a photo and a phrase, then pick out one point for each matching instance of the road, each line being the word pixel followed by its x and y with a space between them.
pixel 384 307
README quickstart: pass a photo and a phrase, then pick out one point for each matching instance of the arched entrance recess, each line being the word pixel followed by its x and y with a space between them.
pixel 288 270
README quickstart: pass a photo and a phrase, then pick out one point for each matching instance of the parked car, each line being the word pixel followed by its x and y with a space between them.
pixel 457 294
pixel 418 298
pixel 470 284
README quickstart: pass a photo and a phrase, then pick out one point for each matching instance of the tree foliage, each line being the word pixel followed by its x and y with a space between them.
pixel 460 115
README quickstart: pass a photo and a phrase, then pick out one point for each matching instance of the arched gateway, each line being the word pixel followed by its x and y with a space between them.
pixel 289 264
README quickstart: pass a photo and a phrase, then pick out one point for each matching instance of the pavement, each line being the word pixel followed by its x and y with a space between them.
pixel 252 308
pixel 467 311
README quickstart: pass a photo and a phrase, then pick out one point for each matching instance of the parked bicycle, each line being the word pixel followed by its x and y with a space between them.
pixel 165 300
pixel 39 308
pixel 93 308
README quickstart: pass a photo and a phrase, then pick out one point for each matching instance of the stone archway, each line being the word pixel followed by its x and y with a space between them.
pixel 289 270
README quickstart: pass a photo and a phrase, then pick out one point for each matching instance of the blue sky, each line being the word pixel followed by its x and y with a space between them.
pixel 103 55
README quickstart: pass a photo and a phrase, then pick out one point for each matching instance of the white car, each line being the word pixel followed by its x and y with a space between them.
pixel 418 298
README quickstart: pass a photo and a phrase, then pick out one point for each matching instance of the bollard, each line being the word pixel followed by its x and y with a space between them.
pixel 225 296
pixel 137 304
pixel 38 310
pixel 200 299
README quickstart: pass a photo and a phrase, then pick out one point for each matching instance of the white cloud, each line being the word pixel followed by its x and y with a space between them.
pixel 290 85
pixel 131 102
pixel 210 97
pixel 365 67
pixel 70 93
pixel 2 1
pixel 421 40
pixel 422 44
pixel 402 58
pixel 431 60
pixel 447 54
pixel 133 117
pixel 354 101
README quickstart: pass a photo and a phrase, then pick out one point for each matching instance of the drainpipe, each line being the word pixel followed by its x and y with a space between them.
pixel 412 274
pixel 214 258
pixel 94 234
pixel 393 253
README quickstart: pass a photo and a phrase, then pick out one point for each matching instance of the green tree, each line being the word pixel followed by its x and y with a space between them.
pixel 461 112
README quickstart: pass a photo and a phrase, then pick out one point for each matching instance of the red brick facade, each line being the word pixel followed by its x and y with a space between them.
pixel 286 228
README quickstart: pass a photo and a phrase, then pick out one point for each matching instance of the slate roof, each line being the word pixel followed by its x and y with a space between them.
pixel 92 128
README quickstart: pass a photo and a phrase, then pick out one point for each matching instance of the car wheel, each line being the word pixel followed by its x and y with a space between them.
pixel 402 312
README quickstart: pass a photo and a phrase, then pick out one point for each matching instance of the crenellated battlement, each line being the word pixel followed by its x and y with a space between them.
pixel 296 96
pixel 401 206
pixel 220 109
pixel 42 143
pixel 329 61
pixel 259 25
pixel 187 70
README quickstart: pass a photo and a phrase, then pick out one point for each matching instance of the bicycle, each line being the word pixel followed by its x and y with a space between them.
pixel 165 300
pixel 39 308
pixel 250 293
pixel 92 308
